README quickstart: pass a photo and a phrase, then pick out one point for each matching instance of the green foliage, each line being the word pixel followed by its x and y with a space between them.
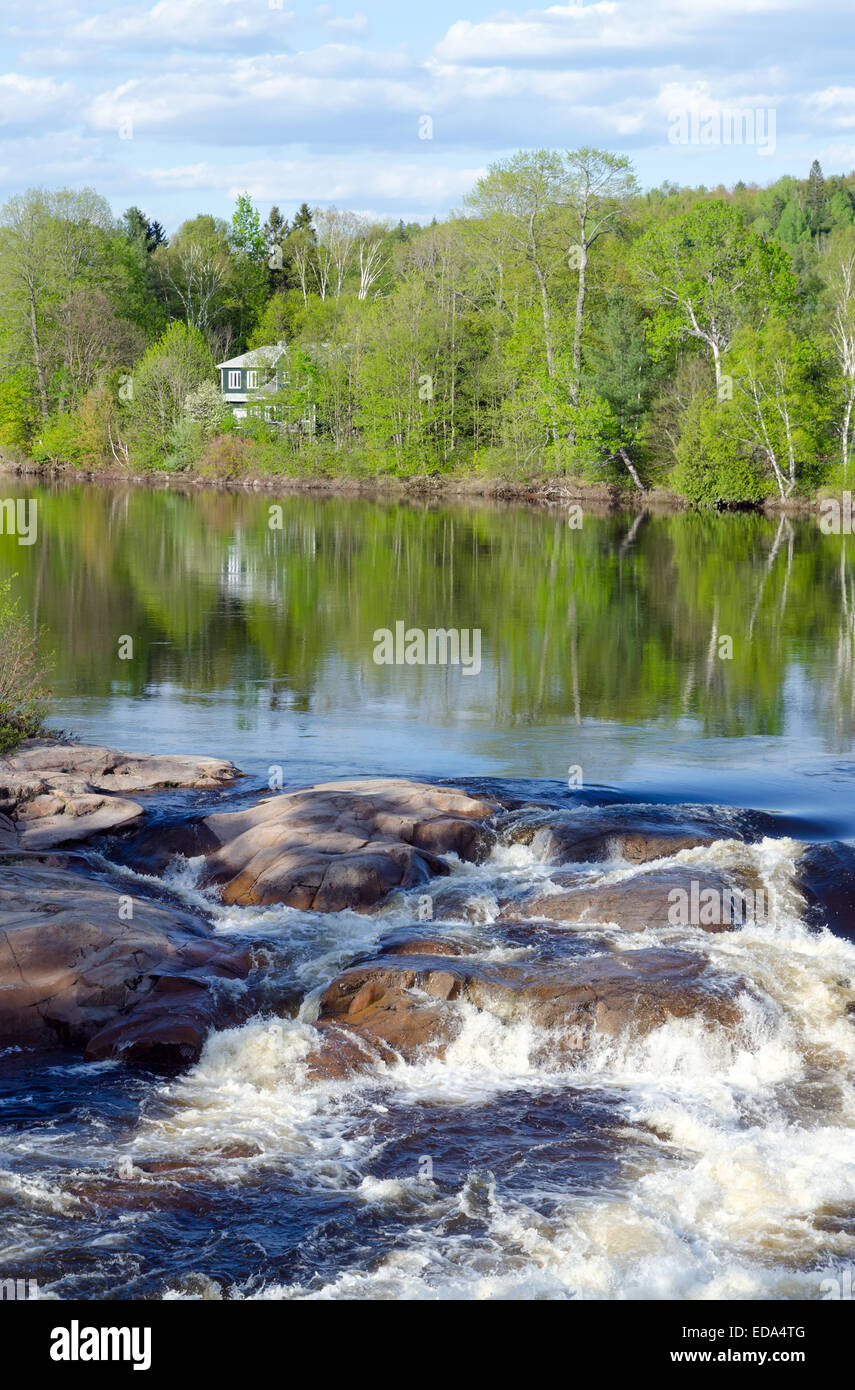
pixel 204 407
pixel 23 697
pixel 713 469
pixel 184 446
pixel 706 274
pixel 17 415
pixel 794 225
pixel 58 441
pixel 168 372
pixel 247 238
pixel 567 322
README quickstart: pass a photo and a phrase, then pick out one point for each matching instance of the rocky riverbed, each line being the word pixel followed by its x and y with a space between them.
pixel 354 1008
pixel 125 976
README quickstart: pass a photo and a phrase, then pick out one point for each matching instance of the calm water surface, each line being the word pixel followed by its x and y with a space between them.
pixel 602 646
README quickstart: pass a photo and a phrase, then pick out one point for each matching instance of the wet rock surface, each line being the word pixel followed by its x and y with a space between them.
pixel 653 900
pixel 343 845
pixel 827 879
pixel 54 793
pixel 150 989
pixel 74 969
pixel 383 1011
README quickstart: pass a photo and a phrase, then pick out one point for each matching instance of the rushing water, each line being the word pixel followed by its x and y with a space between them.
pixel 695 1161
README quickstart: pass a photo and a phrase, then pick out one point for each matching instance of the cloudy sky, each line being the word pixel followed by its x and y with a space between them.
pixel 179 105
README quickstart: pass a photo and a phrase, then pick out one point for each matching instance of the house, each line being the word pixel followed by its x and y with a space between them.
pixel 251 383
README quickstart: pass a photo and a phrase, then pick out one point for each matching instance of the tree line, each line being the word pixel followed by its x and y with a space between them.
pixel 563 321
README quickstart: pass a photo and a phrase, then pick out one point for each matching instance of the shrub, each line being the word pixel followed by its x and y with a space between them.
pixel 167 373
pixel 58 442
pixel 81 437
pixel 184 446
pixel 713 467
pixel 227 456
pixel 204 405
pixel 23 698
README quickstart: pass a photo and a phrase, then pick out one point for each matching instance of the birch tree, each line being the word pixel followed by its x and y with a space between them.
pixel 706 274
pixel 841 327
pixel 49 241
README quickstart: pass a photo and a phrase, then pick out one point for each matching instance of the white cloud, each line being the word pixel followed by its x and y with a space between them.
pixel 343 181
pixel 186 23
pixel 214 87
pixel 835 107
pixel 25 100
pixel 356 24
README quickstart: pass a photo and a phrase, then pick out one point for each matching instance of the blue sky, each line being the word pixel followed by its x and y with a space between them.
pixel 179 105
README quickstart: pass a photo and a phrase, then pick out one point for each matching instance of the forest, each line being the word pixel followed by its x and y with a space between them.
pixel 563 323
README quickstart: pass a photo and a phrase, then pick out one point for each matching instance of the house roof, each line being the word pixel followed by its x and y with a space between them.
pixel 257 357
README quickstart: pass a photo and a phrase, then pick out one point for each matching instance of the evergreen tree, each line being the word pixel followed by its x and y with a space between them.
pixel 816 204
pixel 303 220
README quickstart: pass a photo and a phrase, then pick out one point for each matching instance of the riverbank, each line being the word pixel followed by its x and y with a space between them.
pixel 553 491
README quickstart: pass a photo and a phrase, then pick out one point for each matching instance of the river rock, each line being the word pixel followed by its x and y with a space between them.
pixel 343 845
pixel 827 880
pixel 103 769
pixel 379 1012
pixel 73 970
pixel 59 820
pixel 57 792
pixel 8 833
pixel 401 943
pixel 563 838
pixel 637 903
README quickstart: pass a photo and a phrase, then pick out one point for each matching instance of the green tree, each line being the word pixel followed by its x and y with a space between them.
pixel 713 466
pixel 706 274
pixel 776 398
pixel 194 274
pixel 794 225
pixel 172 368
pixel 249 269
pixel 599 187
pixel 51 243
pixel 816 199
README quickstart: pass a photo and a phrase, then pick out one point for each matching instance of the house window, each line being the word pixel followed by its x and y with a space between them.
pixel 234 381
pixel 251 380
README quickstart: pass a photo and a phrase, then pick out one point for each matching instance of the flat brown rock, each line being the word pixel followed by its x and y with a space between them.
pixel 584 840
pixel 57 792
pixel 378 1011
pixel 103 769
pixel 79 818
pixel 639 902
pixel 402 944
pixel 342 845
pixel 71 965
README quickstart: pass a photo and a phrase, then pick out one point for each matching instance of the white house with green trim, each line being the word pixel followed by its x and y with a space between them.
pixel 251 384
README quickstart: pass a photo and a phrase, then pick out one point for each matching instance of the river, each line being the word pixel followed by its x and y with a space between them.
pixel 684 660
